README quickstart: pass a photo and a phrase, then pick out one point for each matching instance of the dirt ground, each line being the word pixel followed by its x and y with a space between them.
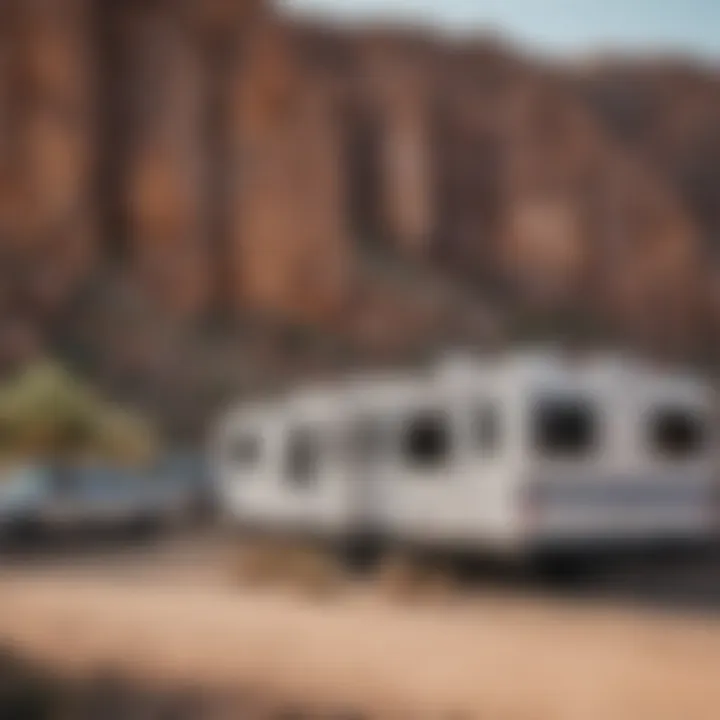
pixel 173 616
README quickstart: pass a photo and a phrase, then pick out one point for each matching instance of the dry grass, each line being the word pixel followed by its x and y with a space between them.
pixel 258 564
pixel 310 570
pixel 405 578
pixel 316 573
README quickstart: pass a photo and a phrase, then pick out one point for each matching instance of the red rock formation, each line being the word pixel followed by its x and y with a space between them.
pixel 248 163
pixel 46 161
pixel 289 244
pixel 165 167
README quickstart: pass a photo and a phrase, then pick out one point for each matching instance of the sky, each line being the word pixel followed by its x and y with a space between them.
pixel 555 26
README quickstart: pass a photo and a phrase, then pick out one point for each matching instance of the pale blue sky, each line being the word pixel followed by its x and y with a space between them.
pixel 556 26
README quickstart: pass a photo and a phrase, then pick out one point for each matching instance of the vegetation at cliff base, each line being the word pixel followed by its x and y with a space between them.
pixel 47 413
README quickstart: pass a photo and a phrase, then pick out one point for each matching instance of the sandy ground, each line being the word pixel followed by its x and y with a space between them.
pixel 498 654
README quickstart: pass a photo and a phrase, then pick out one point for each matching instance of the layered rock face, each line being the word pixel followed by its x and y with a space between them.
pixel 289 245
pixel 48 231
pixel 513 178
pixel 383 186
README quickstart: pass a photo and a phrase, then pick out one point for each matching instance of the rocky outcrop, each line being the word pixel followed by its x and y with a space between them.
pixel 48 237
pixel 289 243
pixel 386 187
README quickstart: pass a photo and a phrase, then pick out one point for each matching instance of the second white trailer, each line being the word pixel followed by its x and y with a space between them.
pixel 508 456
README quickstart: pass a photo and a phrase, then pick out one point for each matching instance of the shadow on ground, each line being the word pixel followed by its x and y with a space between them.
pixel 29 691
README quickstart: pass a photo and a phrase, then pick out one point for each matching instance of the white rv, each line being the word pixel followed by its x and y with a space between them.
pixel 508 455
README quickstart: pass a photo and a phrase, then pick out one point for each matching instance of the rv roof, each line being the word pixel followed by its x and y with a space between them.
pixel 369 387
pixel 551 366
pixel 543 367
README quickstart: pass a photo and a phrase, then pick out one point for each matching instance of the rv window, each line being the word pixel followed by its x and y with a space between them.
pixel 486 428
pixel 426 439
pixel 303 456
pixel 677 433
pixel 244 450
pixel 564 428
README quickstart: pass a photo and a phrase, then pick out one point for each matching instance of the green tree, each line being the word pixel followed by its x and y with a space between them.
pixel 47 413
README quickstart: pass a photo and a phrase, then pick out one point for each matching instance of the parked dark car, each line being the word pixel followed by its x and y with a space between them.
pixel 47 499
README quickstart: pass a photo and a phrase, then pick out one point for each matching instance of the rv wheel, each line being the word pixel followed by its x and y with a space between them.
pixel 362 554
pixel 562 571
